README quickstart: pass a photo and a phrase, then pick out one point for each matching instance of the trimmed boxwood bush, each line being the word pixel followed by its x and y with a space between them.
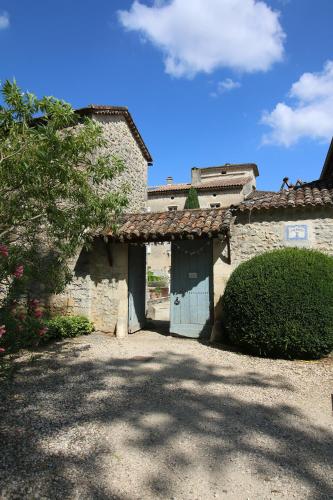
pixel 61 327
pixel 280 304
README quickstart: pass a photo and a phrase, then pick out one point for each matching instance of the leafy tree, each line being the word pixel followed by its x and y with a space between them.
pixel 192 200
pixel 53 165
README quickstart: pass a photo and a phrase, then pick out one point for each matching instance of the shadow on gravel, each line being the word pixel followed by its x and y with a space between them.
pixel 55 395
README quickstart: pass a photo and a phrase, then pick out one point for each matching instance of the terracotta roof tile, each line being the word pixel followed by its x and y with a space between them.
pixel 223 183
pixel 165 226
pixel 316 193
pixel 259 194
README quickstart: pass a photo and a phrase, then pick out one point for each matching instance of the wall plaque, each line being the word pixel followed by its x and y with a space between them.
pixel 296 232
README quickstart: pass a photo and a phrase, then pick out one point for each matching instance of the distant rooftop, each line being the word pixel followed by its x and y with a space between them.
pixel 204 186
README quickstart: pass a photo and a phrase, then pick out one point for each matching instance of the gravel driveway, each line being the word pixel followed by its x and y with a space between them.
pixel 159 417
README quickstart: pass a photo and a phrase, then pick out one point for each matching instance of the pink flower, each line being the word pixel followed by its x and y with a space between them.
pixel 2 350
pixel 2 330
pixel 38 313
pixel 34 303
pixel 18 273
pixel 4 250
pixel 42 331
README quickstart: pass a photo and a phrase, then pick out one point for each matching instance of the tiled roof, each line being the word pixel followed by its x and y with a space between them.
pixel 259 194
pixel 223 183
pixel 94 109
pixel 164 226
pixel 316 193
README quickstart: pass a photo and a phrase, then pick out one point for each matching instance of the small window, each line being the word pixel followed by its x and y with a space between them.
pixel 172 208
pixel 223 172
pixel 214 195
pixel 172 197
pixel 215 205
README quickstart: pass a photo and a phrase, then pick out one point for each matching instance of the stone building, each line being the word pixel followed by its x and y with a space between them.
pixel 207 244
pixel 99 287
pixel 125 142
pixel 217 187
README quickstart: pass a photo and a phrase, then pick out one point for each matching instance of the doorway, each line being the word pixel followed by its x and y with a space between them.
pixel 136 287
pixel 189 309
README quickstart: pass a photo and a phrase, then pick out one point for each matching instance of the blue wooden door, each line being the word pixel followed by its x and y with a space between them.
pixel 191 288
pixel 136 287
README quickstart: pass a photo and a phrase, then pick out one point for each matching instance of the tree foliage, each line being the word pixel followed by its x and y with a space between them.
pixel 52 167
pixel 281 304
pixel 53 199
pixel 192 200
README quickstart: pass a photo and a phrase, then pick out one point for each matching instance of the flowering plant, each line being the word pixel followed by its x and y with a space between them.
pixel 22 320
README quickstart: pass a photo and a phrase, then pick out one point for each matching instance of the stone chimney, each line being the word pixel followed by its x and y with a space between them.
pixel 169 180
pixel 196 176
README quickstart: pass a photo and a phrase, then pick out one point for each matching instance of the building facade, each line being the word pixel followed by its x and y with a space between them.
pixel 217 187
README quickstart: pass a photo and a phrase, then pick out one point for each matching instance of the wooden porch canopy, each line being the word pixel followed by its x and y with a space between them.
pixel 173 225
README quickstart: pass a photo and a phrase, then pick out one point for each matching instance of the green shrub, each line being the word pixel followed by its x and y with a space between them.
pixel 61 327
pixel 192 200
pixel 280 304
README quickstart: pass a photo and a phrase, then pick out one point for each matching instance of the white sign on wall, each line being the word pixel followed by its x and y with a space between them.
pixel 296 234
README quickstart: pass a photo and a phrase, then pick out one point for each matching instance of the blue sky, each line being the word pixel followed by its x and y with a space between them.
pixel 208 82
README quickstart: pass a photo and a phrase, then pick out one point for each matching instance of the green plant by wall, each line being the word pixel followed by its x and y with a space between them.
pixel 61 327
pixel 192 200
pixel 151 277
pixel 280 304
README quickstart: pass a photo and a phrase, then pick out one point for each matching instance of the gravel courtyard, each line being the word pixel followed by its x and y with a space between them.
pixel 154 416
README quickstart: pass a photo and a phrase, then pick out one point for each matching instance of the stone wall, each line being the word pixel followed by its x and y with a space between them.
pixel 259 232
pixel 99 288
pixel 159 258
pixel 122 144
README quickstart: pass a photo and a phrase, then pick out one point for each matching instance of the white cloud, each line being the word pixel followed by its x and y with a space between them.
pixel 4 20
pixel 311 115
pixel 203 35
pixel 225 85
